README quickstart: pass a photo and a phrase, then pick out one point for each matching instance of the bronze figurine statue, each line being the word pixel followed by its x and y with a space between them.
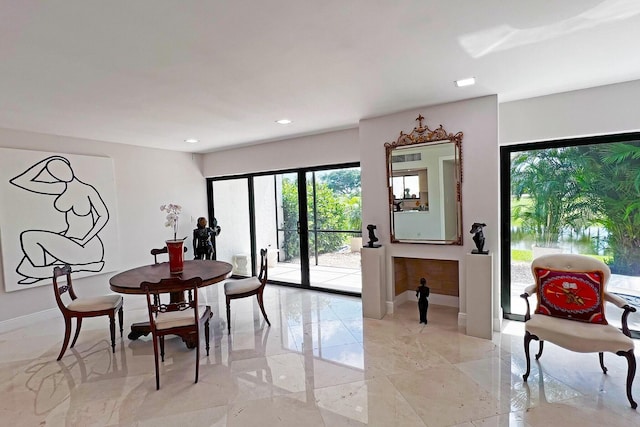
pixel 203 239
pixel 423 302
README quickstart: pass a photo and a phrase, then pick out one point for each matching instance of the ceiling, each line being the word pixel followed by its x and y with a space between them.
pixel 155 72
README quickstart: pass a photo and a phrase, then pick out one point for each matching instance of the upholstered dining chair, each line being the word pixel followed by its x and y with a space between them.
pixel 248 287
pixel 176 318
pixel 160 251
pixel 571 291
pixel 106 305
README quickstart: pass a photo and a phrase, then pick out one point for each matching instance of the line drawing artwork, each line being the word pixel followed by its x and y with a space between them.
pixel 85 215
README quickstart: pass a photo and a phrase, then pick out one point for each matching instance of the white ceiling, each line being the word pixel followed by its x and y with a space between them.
pixel 154 72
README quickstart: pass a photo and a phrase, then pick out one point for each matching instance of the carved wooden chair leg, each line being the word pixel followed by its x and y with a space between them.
pixel 541 347
pixel 527 339
pixel 631 373
pixel 78 326
pixel 120 318
pixel 198 354
pixel 162 347
pixel 229 315
pixel 155 356
pixel 67 334
pixel 601 357
pixel 261 304
pixel 112 327
pixel 206 336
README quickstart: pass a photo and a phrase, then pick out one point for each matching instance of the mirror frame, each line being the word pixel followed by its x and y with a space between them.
pixel 422 135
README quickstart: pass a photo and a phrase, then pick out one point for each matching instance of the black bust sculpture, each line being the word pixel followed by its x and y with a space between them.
pixel 372 237
pixel 478 238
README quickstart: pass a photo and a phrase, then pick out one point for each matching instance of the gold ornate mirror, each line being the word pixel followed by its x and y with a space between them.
pixel 424 176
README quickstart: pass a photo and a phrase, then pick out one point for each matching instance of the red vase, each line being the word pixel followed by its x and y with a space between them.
pixel 176 256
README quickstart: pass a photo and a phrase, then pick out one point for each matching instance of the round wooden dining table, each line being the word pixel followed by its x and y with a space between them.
pixel 130 282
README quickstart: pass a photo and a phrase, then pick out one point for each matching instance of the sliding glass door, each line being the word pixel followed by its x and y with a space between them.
pixel 233 245
pixel 334 228
pixel 309 220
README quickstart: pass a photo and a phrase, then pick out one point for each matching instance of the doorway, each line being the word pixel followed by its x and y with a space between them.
pixel 308 219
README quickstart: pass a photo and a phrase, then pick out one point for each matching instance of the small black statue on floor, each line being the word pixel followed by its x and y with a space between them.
pixel 423 302
pixel 478 238
pixel 203 239
pixel 372 237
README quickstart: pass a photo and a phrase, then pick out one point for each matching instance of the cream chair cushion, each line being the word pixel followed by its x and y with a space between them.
pixel 104 302
pixel 175 319
pixel 241 286
pixel 581 337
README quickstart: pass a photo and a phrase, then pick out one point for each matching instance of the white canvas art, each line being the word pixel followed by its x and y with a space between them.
pixel 55 209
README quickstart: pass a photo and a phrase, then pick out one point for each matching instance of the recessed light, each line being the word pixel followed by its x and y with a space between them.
pixel 465 82
pixel 283 121
pixel 192 140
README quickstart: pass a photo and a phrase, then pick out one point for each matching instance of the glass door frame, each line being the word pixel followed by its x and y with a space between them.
pixel 303 219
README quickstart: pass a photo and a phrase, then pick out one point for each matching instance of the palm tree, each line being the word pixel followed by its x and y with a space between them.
pixel 613 181
pixel 552 181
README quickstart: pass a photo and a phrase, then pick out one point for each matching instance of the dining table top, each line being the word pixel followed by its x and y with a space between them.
pixel 129 281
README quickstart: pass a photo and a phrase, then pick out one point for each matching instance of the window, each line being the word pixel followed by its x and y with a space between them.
pixel 571 196
pixel 406 187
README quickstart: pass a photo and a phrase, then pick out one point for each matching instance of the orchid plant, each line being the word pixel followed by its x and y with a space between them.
pixel 173 212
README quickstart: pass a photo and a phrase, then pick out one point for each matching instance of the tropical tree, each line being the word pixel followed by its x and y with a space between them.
pixel 344 181
pixel 552 180
pixel 330 211
pixel 612 177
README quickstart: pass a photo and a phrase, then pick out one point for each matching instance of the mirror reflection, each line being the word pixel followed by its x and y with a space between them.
pixel 424 174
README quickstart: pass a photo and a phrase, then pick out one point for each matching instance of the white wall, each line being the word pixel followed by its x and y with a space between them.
pixel 594 111
pixel 145 179
pixel 478 120
pixel 323 149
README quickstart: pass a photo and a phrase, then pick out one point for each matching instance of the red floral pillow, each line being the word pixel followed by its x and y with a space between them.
pixel 571 295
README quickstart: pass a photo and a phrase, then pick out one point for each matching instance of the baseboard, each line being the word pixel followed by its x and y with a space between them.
pixel 462 320
pixel 436 299
pixel 390 306
pixel 27 319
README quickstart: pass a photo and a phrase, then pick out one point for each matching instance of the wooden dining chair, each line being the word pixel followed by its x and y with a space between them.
pixel 248 287
pixel 176 318
pixel 156 252
pixel 105 305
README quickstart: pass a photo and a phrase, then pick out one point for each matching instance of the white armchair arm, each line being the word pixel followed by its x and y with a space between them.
pixel 615 299
pixel 621 303
pixel 530 290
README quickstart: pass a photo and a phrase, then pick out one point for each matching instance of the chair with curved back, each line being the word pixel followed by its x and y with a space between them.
pixel 156 252
pixel 181 318
pixel 105 305
pixel 572 293
pixel 247 287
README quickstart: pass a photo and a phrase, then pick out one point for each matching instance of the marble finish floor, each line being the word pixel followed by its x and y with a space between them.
pixel 319 364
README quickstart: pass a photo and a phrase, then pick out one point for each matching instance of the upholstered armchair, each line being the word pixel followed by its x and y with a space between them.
pixel 571 291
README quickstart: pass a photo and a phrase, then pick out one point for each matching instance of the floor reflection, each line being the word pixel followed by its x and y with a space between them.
pixel 319 364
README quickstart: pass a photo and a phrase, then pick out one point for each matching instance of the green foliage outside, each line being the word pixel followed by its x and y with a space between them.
pixel 337 207
pixel 612 179
pixel 578 187
pixel 521 255
pixel 552 179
